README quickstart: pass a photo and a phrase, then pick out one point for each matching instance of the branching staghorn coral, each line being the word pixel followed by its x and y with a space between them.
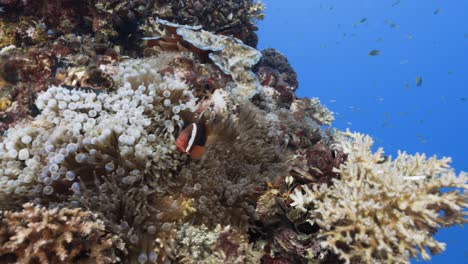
pixel 383 210
pixel 38 235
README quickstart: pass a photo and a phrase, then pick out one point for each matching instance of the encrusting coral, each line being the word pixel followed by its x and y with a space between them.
pixel 101 103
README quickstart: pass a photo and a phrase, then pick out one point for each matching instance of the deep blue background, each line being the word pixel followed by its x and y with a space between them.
pixel 377 95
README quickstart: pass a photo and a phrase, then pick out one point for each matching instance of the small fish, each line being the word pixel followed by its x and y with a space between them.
pixel 463 99
pixel 391 23
pixel 192 140
pixel 421 139
pixel 419 81
pixel 395 3
pixel 374 52
pixel 443 99
pixel 363 20
pixel 437 11
pixel 151 38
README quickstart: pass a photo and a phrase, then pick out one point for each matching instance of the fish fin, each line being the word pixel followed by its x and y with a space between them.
pixel 197 152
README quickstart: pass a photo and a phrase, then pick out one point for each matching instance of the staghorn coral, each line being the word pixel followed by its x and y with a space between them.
pixel 38 235
pixel 384 210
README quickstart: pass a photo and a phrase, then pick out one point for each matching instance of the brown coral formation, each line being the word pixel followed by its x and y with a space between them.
pixel 283 73
pixel 38 235
pixel 68 43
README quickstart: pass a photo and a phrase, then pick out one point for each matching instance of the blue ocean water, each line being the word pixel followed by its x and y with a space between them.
pixel 328 44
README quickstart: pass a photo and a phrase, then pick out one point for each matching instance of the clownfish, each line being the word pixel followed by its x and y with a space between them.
pixel 192 140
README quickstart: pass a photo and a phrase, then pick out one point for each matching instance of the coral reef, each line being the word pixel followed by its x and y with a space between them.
pixel 38 235
pixel 70 42
pixel 94 98
pixel 199 244
pixel 383 210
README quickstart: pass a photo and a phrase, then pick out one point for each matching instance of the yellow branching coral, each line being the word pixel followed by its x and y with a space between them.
pixel 38 235
pixel 384 210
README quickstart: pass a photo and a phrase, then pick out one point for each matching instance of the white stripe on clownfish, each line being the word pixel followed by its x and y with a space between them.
pixel 192 137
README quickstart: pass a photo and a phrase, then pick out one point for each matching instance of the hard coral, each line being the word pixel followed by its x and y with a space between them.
pixel 384 210
pixel 316 165
pixel 278 62
pixel 199 244
pixel 229 54
pixel 38 235
pixel 235 18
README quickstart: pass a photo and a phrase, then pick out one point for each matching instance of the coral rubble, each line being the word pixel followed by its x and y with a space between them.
pixel 93 97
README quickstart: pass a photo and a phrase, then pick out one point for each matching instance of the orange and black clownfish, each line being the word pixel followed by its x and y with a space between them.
pixel 192 140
